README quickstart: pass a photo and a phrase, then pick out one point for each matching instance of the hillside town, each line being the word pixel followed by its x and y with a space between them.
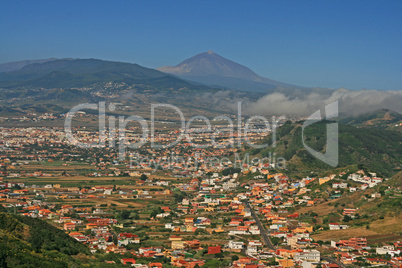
pixel 225 215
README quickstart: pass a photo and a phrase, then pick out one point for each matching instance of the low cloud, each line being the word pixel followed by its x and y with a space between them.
pixel 350 102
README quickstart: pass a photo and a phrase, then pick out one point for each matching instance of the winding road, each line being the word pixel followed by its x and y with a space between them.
pixel 263 232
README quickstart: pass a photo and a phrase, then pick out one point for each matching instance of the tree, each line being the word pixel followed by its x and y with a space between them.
pixel 200 231
pixel 3 255
pixel 17 187
pixel 347 218
pixel 124 215
pixel 275 240
pixel 143 177
pixel 219 255
pixel 313 214
pixel 235 258
pixel 134 215
pixel 155 212
pixel 179 196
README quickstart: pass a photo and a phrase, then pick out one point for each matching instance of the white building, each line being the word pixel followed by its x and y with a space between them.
pixel 251 250
pixel 235 245
pixel 340 185
pixel 312 255
pixel 384 249
pixel 254 230
pixel 255 243
pixel 337 226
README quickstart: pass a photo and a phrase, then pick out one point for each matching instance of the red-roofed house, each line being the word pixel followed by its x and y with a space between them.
pixel 214 250
pixel 68 226
pixel 128 261
pixel 155 265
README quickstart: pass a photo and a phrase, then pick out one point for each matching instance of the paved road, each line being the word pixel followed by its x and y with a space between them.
pixel 268 242
pixel 329 259
pixel 263 232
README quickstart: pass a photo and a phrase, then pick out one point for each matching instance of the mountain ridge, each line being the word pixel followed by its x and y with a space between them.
pixel 68 73
pixel 16 65
pixel 382 118
pixel 212 69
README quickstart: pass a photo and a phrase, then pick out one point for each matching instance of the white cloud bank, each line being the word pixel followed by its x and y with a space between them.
pixel 350 102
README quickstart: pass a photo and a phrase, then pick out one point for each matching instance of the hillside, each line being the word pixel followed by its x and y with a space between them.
pixel 383 119
pixel 56 86
pixel 379 219
pixel 377 150
pixel 68 73
pixel 13 66
pixel 27 242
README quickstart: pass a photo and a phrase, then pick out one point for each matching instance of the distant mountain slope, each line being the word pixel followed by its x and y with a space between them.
pixel 13 66
pixel 384 118
pixel 210 63
pixel 212 69
pixel 378 150
pixel 69 73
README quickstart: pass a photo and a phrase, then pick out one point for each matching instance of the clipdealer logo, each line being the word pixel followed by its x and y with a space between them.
pixel 112 129
pixel 113 132
pixel 331 155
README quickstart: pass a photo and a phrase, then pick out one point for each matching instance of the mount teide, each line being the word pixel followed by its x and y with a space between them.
pixel 212 69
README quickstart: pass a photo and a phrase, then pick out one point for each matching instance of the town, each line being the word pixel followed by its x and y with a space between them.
pixel 163 213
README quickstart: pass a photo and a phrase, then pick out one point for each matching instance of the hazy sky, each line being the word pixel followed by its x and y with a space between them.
pixel 352 44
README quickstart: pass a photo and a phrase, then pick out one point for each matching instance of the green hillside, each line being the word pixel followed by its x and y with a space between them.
pixel 70 73
pixel 28 242
pixel 375 149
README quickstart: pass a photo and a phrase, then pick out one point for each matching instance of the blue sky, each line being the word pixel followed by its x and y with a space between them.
pixel 352 44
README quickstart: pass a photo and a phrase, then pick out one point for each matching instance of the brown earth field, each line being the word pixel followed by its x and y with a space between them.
pixel 328 207
pixel 47 167
pixel 104 178
pixel 387 229
pixel 119 203
pixel 320 209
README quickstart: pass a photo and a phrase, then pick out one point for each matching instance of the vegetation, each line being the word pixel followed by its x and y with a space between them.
pixel 378 150
pixel 66 73
pixel 384 119
pixel 28 242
